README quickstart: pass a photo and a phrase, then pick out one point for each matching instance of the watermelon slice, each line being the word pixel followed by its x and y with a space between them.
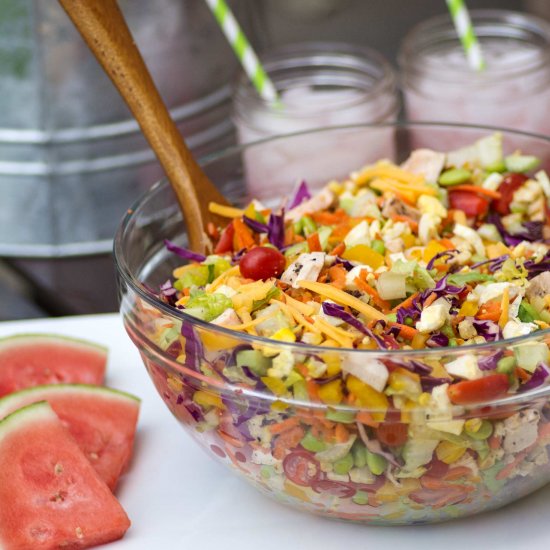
pixel 50 495
pixel 35 359
pixel 102 421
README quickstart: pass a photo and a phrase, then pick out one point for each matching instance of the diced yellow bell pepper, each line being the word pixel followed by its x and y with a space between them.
pixel 468 309
pixel 449 452
pixel 432 249
pixel 206 399
pixel 284 335
pixel 333 363
pixel 405 382
pixel 496 250
pixel 332 392
pixel 175 384
pixel 365 255
pixel 275 385
pixel 367 396
pixel 409 240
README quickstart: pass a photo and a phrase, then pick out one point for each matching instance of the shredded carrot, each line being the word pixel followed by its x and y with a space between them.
pixel 522 374
pixel 365 287
pixel 339 250
pixel 243 235
pixel 413 224
pixel 405 331
pixel 430 299
pixel 477 189
pixel 431 482
pixel 284 425
pixel 314 243
pixel 290 236
pixel 447 243
pixel 490 311
pixel 337 276
pixel 366 418
pixel 312 390
pixel 287 440
pixel 407 302
pixel 341 434
pixel 230 439
pixel 212 231
pixel 330 218
pixel 456 473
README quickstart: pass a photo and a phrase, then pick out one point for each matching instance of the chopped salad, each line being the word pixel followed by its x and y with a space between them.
pixel 446 250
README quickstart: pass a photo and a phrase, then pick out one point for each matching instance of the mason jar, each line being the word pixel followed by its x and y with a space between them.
pixel 512 91
pixel 319 84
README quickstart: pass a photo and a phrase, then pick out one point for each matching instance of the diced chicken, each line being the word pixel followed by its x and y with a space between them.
pixel 520 430
pixel 306 268
pixel 539 286
pixel 425 162
pixel 427 227
pixel 394 207
pixel 228 318
pixel 431 205
pixel 321 201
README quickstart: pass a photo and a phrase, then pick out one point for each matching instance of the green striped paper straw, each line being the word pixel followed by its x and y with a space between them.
pixel 466 34
pixel 243 50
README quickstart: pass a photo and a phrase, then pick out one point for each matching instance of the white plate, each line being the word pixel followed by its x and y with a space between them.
pixel 177 497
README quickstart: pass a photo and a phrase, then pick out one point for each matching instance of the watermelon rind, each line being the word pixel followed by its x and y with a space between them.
pixel 102 420
pixel 38 337
pixel 112 393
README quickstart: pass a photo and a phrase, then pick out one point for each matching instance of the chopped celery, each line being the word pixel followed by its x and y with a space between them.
pixel 311 443
pixel 346 417
pixel 195 276
pixel 521 163
pixel 254 360
pixel 207 306
pixel 527 313
pixel 454 176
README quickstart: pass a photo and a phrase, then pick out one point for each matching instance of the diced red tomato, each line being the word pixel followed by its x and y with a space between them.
pixel 482 389
pixel 472 204
pixel 510 184
pixel 225 244
pixel 262 262
pixel 392 434
pixel 301 468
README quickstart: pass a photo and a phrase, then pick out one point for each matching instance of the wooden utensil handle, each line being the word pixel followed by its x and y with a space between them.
pixel 103 27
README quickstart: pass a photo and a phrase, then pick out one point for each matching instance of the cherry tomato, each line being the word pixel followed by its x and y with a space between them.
pixel 225 244
pixel 301 468
pixel 392 434
pixel 470 203
pixel 482 389
pixel 510 184
pixel 262 262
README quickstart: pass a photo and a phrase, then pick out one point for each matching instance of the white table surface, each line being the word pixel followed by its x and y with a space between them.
pixel 177 497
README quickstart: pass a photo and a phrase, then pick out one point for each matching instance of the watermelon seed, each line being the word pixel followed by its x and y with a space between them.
pixel 58 469
pixel 78 532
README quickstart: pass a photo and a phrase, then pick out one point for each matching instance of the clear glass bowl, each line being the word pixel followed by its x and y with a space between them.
pixel 369 464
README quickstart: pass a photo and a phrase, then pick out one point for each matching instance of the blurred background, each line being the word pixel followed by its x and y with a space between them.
pixel 71 158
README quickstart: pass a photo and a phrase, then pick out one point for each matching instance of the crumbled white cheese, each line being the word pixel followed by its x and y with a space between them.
pixel 513 329
pixel 471 236
pixel 432 318
pixel 358 235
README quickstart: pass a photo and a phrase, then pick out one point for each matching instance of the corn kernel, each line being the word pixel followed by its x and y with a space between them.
pixel 275 385
pixel 432 249
pixel 331 392
pixel 424 399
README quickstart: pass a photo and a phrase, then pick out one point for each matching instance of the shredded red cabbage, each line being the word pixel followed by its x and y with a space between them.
pixel 490 362
pixel 532 231
pixel 438 340
pixel 184 252
pixel 538 378
pixel 276 229
pixel 413 366
pixel 535 268
pixel 193 346
pixel 302 194
pixel 255 225
pixel 430 382
pixel 348 266
pixel 446 253
pixel 494 265
pixel 488 329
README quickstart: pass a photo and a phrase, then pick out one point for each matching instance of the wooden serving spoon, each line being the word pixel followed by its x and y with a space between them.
pixel 104 29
